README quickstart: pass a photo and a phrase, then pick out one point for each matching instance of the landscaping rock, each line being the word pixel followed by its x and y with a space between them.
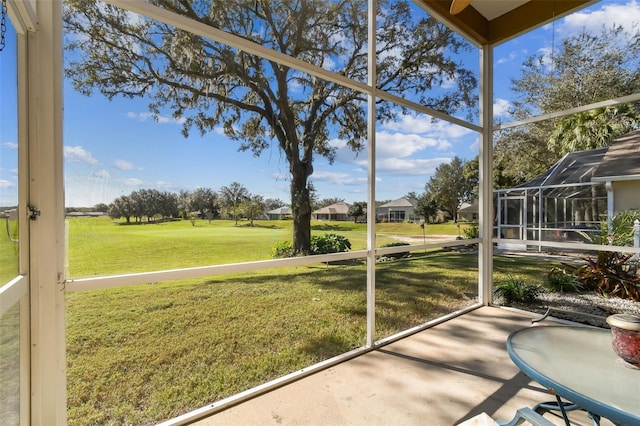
pixel 584 308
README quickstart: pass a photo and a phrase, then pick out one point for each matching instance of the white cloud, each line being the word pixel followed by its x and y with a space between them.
pixel 133 182
pixel 10 145
pixel 475 147
pixel 508 58
pixel 422 124
pixel 91 189
pixel 448 83
pixel 100 187
pixel 219 130
pixel 547 57
pixel 404 145
pixel 591 20
pixel 6 184
pixel 161 119
pixel 78 153
pixel 501 107
pixel 102 174
pixel 411 145
pixel 626 15
pixel 410 166
pixel 165 186
pixel 123 165
pixel 337 178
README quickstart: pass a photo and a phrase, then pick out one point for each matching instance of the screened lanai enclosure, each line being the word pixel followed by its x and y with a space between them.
pixel 564 204
pixel 107 322
pixel 575 199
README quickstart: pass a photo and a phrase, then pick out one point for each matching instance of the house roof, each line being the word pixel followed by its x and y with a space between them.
pixel 572 176
pixel 337 208
pixel 469 208
pixel 574 168
pixel 280 210
pixel 621 161
pixel 400 202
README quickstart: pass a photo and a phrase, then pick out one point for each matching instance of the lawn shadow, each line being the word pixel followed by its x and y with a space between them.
pixel 329 227
pixel 248 225
pixel 328 345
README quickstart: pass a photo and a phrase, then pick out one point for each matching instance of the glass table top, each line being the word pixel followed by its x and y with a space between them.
pixel 578 363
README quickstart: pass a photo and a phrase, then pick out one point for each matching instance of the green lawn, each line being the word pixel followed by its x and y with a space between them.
pixel 142 354
pixel 146 353
pixel 8 251
pixel 99 246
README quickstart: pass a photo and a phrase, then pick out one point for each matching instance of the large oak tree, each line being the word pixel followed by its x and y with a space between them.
pixel 260 102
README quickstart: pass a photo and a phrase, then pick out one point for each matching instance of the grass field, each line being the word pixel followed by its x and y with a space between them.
pixel 8 251
pixel 97 246
pixel 142 354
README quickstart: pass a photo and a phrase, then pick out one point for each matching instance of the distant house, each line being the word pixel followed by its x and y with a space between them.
pixel 279 213
pixel 85 214
pixel 468 212
pixel 581 191
pixel 400 210
pixel 337 211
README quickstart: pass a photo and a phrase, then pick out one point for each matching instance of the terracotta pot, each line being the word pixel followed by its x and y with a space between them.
pixel 625 337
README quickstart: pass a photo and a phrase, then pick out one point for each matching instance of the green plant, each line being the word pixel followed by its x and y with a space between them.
pixel 516 289
pixel 329 243
pixel 621 232
pixel 612 273
pixel 471 231
pixel 283 249
pixel 559 280
pixel 608 274
pixel 324 244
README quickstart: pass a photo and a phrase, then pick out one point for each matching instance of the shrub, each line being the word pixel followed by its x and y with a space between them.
pixel 609 274
pixel 515 289
pixel 283 249
pixel 329 243
pixel 559 280
pixel 471 231
pixel 612 273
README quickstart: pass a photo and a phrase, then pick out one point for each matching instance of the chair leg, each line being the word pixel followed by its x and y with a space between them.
pixel 526 414
pixel 557 405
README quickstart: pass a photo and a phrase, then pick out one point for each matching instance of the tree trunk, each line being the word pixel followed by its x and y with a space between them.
pixel 301 210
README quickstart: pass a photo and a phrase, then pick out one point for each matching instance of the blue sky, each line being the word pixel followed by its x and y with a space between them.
pixel 113 148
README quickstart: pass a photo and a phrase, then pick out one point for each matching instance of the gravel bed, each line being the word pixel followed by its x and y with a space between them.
pixel 585 308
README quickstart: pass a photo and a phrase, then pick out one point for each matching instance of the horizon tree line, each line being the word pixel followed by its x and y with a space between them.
pixel 232 202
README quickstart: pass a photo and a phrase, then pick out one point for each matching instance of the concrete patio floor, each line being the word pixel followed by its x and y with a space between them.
pixel 440 376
